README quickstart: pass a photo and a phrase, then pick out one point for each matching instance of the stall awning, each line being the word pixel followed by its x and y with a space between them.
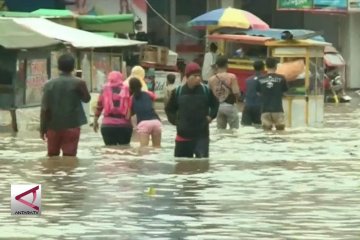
pixel 77 38
pixel 15 36
pixel 120 23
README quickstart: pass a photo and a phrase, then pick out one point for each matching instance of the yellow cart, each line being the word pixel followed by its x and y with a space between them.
pixel 301 61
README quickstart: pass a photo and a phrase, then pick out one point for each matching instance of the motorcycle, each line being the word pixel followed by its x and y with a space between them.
pixel 334 82
pixel 334 89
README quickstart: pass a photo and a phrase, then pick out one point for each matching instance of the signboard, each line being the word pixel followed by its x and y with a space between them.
pixel 160 82
pixel 354 5
pixel 101 66
pixel 295 4
pixel 36 77
pixel 331 4
pixel 319 5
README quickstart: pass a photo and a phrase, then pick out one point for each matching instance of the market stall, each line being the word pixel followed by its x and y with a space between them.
pixel 243 47
pixel 95 52
pixel 96 55
pixel 24 61
pixel 229 17
pixel 301 62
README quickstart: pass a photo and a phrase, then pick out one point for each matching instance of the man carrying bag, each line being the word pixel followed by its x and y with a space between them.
pixel 225 87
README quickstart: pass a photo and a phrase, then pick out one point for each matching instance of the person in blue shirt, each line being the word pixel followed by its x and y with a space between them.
pixel 252 108
pixel 148 121
pixel 271 88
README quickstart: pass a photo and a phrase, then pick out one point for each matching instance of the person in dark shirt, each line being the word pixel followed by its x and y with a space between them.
pixel 252 108
pixel 140 34
pixel 192 107
pixel 271 88
pixel 62 112
pixel 148 121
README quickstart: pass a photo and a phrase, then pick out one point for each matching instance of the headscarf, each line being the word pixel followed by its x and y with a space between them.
pixel 116 79
pixel 138 72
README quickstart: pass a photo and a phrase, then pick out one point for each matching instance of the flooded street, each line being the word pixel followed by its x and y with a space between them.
pixel 300 184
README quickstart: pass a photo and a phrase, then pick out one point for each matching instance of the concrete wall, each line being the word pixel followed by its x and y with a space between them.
pixel 351 48
pixel 329 24
pixel 288 20
pixel 227 3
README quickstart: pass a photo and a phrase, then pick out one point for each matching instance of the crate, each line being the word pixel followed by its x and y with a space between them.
pixel 172 59
pixel 154 54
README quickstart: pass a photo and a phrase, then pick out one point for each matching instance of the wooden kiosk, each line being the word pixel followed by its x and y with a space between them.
pixel 301 62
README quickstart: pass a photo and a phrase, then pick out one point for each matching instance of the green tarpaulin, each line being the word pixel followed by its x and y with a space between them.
pixel 53 13
pixel 123 23
pixel 119 23
pixel 15 36
pixel 17 14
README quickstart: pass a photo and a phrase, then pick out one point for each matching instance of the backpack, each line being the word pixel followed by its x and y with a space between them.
pixel 205 89
pixel 222 89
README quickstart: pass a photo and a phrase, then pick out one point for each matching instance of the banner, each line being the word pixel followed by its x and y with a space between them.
pixel 331 4
pixel 354 5
pixel 295 4
pixel 160 82
pixel 36 77
pixel 104 7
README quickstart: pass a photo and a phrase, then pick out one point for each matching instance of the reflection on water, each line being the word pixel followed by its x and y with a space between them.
pixel 299 184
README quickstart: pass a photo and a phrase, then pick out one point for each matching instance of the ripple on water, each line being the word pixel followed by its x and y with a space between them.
pixel 299 184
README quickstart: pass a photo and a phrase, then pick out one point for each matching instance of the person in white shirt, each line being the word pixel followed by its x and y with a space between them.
pixel 209 62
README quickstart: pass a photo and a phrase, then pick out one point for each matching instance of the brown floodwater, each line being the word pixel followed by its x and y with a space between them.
pixel 299 184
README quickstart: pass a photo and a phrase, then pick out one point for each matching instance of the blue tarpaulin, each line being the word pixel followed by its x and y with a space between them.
pixel 273 33
pixel 276 33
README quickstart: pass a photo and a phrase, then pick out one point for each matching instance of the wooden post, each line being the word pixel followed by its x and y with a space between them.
pixel 14 120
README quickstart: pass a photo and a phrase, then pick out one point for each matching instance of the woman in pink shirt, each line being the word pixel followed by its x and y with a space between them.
pixel 114 103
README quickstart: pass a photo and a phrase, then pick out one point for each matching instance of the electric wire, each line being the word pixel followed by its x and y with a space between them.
pixel 171 25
